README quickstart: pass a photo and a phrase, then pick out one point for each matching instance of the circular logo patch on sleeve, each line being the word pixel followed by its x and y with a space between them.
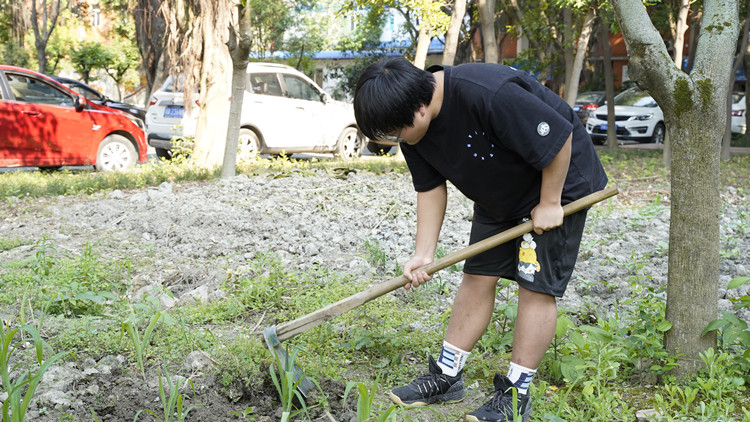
pixel 543 129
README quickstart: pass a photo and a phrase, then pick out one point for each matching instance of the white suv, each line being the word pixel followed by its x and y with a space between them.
pixel 637 118
pixel 283 111
pixel 166 119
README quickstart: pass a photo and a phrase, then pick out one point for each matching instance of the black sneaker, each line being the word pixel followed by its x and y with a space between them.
pixel 500 407
pixel 434 387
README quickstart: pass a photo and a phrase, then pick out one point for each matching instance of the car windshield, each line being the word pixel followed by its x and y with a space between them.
pixel 85 91
pixel 588 97
pixel 737 97
pixel 634 98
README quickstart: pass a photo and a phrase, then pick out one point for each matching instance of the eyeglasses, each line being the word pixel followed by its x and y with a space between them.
pixel 395 139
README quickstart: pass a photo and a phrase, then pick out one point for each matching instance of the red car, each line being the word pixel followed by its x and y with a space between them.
pixel 44 124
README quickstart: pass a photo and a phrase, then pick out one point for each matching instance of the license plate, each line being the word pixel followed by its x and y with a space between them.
pixel 174 112
pixel 603 127
pixel 577 108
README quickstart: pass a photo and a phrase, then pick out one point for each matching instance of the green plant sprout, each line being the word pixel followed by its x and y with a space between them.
pixel 172 406
pixel 20 384
pixel 140 342
pixel 365 403
pixel 286 385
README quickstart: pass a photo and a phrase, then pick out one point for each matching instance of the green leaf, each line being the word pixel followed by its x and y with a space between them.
pixel 664 326
pixel 737 282
pixel 714 325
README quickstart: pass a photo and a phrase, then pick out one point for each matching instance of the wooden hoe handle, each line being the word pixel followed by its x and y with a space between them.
pixel 302 324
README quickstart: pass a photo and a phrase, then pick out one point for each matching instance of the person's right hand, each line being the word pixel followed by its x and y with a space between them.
pixel 416 277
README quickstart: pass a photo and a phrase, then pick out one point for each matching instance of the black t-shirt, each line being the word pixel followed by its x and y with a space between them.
pixel 497 129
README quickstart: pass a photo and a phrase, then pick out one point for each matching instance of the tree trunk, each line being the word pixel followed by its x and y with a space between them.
pixel 215 76
pixel 571 85
pixel 568 53
pixel 680 28
pixel 746 67
pixel 694 114
pixel 240 42
pixel 609 85
pixel 489 41
pixel 727 141
pixel 149 34
pixel 695 26
pixel 198 33
pixel 454 30
pixel 423 44
pixel 43 26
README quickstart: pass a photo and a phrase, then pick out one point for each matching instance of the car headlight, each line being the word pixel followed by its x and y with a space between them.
pixel 136 121
pixel 644 116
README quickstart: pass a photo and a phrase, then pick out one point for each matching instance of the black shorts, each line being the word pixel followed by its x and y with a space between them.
pixel 541 263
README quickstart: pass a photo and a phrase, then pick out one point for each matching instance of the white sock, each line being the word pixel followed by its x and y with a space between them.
pixel 521 377
pixel 452 359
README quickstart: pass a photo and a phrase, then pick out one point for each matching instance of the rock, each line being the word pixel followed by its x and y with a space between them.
pixel 55 399
pixel 648 415
pixel 197 362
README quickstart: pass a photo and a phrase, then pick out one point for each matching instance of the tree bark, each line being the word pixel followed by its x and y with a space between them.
pixel 609 85
pixel 571 85
pixel 727 140
pixel 240 42
pixel 683 7
pixel 215 77
pixel 149 34
pixel 198 32
pixel 454 30
pixel 489 41
pixel 43 25
pixel 423 44
pixel 694 114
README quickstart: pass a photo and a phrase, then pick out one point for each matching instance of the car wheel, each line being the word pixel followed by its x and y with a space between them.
pixel 598 141
pixel 248 145
pixel 378 149
pixel 349 145
pixel 164 154
pixel 658 136
pixel 115 153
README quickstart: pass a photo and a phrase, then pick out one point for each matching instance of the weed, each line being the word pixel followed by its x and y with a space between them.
pixel 286 383
pixel 370 335
pixel 248 413
pixel 366 410
pixel 733 331
pixel 20 383
pixel 172 406
pixel 375 254
pixel 140 342
pixel 9 244
pixel 43 261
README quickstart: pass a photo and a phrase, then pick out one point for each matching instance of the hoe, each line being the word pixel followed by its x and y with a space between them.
pixel 276 334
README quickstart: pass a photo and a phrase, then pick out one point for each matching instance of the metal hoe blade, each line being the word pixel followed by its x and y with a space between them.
pixel 274 345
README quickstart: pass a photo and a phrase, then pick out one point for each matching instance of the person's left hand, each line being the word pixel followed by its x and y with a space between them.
pixel 545 217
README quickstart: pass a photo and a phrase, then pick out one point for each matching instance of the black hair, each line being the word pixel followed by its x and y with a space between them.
pixel 387 95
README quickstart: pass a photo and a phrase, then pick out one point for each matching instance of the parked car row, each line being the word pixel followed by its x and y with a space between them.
pixel 50 122
pixel 637 116
pixel 46 124
pixel 283 111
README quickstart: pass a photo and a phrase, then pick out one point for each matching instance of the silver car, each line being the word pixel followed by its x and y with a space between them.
pixel 166 119
pixel 283 111
pixel 637 118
